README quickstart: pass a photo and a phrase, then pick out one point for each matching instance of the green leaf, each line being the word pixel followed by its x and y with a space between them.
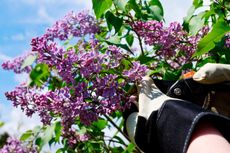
pixel 117 150
pixel 114 40
pixel 28 61
pixel 100 124
pixel 133 5
pixel 188 17
pixel 130 148
pixel 129 39
pixel 1 124
pixel 197 3
pixel 172 75
pixel 145 59
pixel 39 74
pixel 189 13
pixel 208 42
pixel 116 22
pixel 26 135
pixel 121 4
pixel 120 140
pixel 126 64
pixel 121 80
pixel 196 23
pixel 61 150
pixel 156 9
pixel 100 6
pixel 57 131
pixel 48 134
pixel 39 142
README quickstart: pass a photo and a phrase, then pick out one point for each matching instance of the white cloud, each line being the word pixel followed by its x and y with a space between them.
pixel 4 57
pixel 18 37
pixel 43 16
pixel 17 122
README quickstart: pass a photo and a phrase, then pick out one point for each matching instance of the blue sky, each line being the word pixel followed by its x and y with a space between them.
pixel 21 20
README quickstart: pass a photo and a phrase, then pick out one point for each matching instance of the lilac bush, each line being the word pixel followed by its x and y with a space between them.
pixel 97 91
pixel 83 75
pixel 13 145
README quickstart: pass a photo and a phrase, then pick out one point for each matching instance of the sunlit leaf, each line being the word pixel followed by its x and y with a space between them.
pixel 120 4
pixel 208 42
pixel 26 135
pixel 156 9
pixel 196 23
pixel 100 124
pixel 28 61
pixel 197 3
pixel 100 6
pixel 48 134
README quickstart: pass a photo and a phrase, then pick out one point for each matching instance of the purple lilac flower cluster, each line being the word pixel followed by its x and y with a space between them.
pixel 16 64
pixel 15 146
pixel 92 88
pixel 96 94
pixel 136 72
pixel 169 41
pixel 73 24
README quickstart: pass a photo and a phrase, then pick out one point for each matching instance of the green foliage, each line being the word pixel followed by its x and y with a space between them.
pixel 26 135
pixel 145 59
pixel 121 4
pixel 132 4
pixel 196 23
pixel 100 6
pixel 28 61
pixel 209 41
pixel 39 74
pixel 100 124
pixel 197 3
pixel 111 19
pixel 129 39
pixel 156 10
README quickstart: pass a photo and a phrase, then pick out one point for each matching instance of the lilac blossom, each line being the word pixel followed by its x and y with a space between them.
pixel 116 55
pixel 136 72
pixel 73 24
pixel 16 64
pixel 13 145
pixel 90 63
pixel 169 41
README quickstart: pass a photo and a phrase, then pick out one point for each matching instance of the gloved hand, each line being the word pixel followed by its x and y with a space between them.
pixel 151 101
pixel 212 73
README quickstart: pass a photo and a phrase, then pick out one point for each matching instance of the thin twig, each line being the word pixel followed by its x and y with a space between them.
pixel 138 36
pixel 112 122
